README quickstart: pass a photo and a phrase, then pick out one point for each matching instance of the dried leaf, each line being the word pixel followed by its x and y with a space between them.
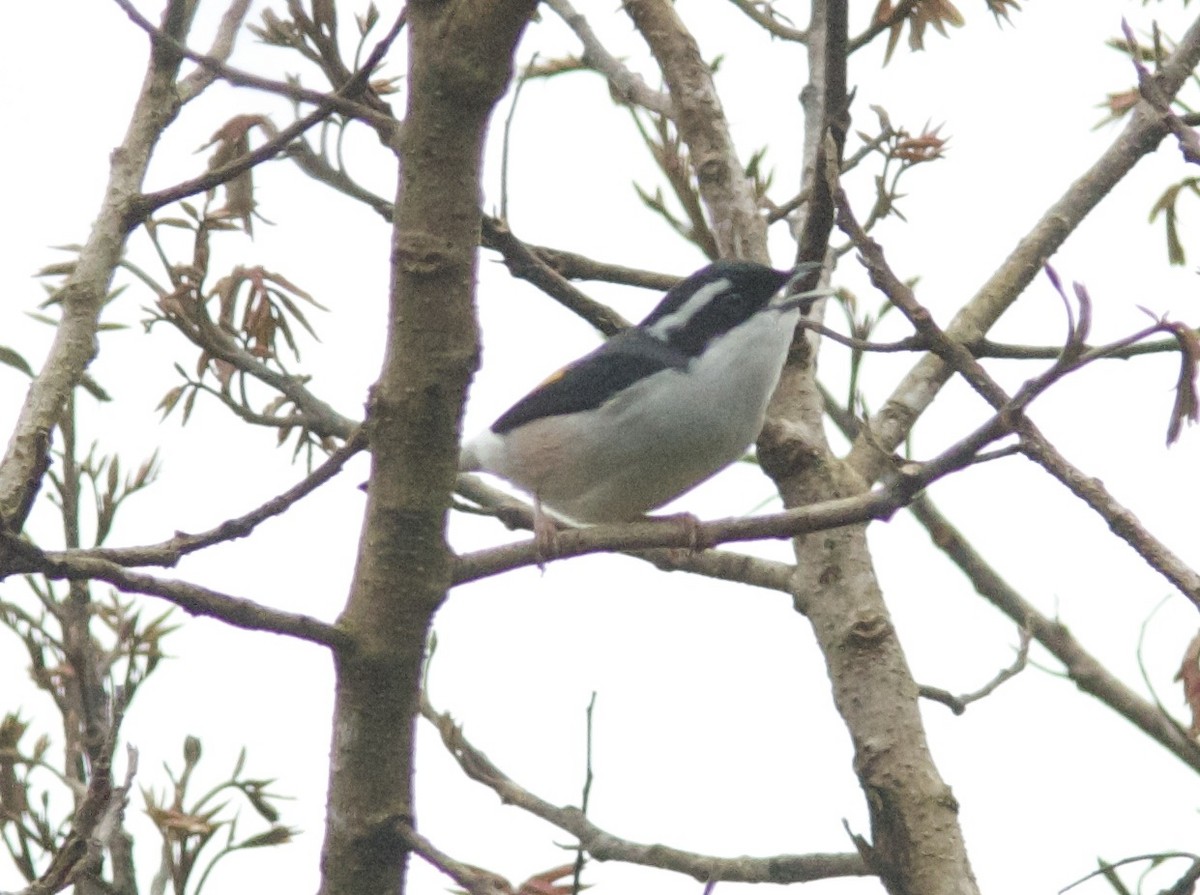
pixel 188 405
pixel 546 882
pixel 169 400
pixel 999 8
pixel 1186 407
pixel 1189 673
pixel 926 147
pixel 170 821
pixel 232 140
pixel 273 836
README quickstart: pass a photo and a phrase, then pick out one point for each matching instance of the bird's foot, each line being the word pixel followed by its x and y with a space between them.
pixel 545 535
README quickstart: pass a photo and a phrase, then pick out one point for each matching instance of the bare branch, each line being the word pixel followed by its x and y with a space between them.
pixel 149 202
pixel 603 846
pixel 739 228
pixel 525 264
pixel 879 504
pixel 1081 667
pixel 579 267
pixel 169 552
pixel 626 85
pixel 83 294
pixel 222 48
pixel 1088 673
pixel 770 20
pixel 214 64
pixel 1150 87
pixel 192 598
pixel 956 357
pixel 721 565
pixel 958 704
pixel 474 880
pixel 1144 131
pixel 548 269
pixel 1124 349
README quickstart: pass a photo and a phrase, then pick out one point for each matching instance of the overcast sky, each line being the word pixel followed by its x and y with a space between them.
pixel 714 727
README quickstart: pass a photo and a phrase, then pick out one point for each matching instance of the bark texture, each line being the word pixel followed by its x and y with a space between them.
pixel 460 63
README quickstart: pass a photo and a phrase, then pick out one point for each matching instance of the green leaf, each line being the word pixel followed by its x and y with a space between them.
pixel 10 358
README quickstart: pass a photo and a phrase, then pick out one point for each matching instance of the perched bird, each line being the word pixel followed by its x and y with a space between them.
pixel 658 408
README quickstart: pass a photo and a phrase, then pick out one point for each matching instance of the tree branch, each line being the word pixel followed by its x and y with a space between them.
pixel 770 22
pixel 320 417
pixel 1143 133
pixel 626 85
pixel 215 64
pixel 916 842
pixel 1088 673
pixel 168 553
pixel 737 225
pixel 721 565
pixel 524 263
pixel 83 294
pixel 958 704
pixel 460 60
pixel 192 598
pixel 101 808
pixel 954 356
pixel 148 203
pixel 603 846
pixel 879 504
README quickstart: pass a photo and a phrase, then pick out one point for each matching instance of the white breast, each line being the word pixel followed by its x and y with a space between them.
pixel 656 440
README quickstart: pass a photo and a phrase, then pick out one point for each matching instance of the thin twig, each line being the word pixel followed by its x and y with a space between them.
pixel 767 18
pixel 474 880
pixel 584 798
pixel 604 846
pixel 215 64
pixel 168 553
pixel 1035 445
pixel 626 85
pixel 1084 669
pixel 1143 132
pixel 1151 90
pixel 148 203
pixel 192 598
pixel 524 264
pixel 958 704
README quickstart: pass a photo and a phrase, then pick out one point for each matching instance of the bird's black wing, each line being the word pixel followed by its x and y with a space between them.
pixel 595 378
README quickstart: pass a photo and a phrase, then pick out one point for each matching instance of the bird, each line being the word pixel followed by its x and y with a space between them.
pixel 658 408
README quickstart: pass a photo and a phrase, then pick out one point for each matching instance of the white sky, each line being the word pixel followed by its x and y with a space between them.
pixel 714 728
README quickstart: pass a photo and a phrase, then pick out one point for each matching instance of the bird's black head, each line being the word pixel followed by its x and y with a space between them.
pixel 712 301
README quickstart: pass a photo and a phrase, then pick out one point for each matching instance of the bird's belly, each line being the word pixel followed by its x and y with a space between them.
pixel 666 435
pixel 656 440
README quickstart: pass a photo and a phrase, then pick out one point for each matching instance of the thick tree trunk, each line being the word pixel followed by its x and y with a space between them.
pixel 460 63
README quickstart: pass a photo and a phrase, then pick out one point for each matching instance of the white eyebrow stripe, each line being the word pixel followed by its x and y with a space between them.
pixel 679 318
